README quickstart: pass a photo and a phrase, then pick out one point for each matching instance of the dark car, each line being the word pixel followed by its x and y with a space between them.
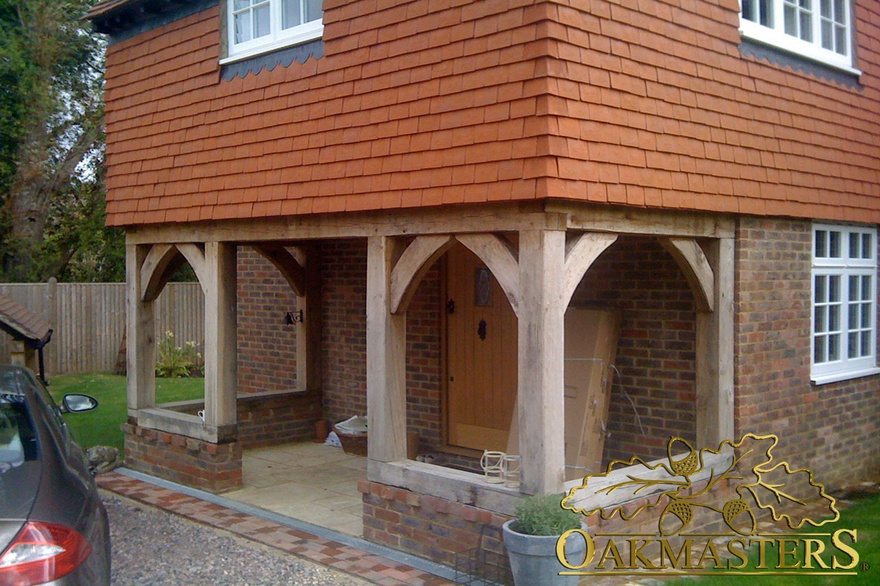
pixel 53 525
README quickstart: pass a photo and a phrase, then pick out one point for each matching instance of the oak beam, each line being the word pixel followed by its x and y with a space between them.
pixel 501 259
pixel 195 256
pixel 159 265
pixel 412 266
pixel 696 268
pixel 286 263
pixel 581 253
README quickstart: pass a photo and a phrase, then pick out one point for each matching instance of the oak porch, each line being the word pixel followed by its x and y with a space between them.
pixel 537 256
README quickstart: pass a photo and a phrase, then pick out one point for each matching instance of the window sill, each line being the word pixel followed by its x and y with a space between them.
pixel 312 34
pixel 842 376
pixel 796 47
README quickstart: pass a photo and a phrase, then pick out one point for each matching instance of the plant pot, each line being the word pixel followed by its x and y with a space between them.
pixel 533 557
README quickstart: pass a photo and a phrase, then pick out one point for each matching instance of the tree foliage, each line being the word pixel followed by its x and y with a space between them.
pixel 51 145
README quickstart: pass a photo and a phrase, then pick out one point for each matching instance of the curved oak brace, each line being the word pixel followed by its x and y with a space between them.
pixel 290 267
pixel 195 256
pixel 412 266
pixel 501 260
pixel 580 255
pixel 697 270
pixel 161 263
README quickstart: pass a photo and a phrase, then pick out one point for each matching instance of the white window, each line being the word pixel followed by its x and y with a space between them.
pixel 258 26
pixel 817 29
pixel 844 302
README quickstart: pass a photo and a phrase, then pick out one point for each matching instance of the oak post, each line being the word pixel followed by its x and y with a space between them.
pixel 714 372
pixel 141 334
pixel 386 354
pixel 220 334
pixel 540 401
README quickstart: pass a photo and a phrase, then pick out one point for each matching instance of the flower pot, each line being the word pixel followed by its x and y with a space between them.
pixel 533 557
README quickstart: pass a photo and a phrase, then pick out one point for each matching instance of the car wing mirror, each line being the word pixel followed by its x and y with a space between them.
pixel 76 403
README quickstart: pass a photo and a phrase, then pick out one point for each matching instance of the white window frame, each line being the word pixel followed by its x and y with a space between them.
pixel 278 38
pixel 842 266
pixel 776 36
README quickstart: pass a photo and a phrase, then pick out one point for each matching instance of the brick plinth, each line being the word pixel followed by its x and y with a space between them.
pixel 181 459
pixel 423 525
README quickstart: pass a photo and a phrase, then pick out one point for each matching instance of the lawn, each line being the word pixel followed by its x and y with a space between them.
pixel 863 515
pixel 101 426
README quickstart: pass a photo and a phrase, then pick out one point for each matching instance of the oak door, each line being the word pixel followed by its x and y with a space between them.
pixel 481 340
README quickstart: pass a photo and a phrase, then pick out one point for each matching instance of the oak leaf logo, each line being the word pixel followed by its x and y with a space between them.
pixel 790 495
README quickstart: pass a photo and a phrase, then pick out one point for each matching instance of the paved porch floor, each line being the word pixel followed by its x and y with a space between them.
pixel 308 481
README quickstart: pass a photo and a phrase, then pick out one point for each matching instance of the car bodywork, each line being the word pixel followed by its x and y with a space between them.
pixel 47 490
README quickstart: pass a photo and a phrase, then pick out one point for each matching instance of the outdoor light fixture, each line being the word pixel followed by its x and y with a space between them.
pixel 293 317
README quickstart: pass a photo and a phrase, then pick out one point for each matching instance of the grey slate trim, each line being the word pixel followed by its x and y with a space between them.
pixel 785 59
pixel 271 60
pixel 135 19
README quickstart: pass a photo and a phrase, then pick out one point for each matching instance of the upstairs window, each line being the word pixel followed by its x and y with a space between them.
pixel 259 26
pixel 844 302
pixel 821 30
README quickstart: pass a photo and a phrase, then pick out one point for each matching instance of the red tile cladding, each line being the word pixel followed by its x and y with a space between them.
pixel 421 103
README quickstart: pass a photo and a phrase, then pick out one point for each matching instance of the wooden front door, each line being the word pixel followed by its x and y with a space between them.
pixel 481 340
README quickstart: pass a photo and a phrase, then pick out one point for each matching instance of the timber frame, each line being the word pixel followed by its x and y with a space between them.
pixel 538 254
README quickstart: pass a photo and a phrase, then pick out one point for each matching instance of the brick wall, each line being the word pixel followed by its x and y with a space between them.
pixel 344 274
pixel 266 345
pixel 278 418
pixel 188 461
pixel 832 428
pixel 426 526
pixel 656 354
pixel 344 341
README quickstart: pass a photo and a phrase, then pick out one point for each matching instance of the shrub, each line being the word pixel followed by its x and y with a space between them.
pixel 176 361
pixel 544 515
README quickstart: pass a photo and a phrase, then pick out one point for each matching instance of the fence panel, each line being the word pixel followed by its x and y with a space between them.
pixel 88 320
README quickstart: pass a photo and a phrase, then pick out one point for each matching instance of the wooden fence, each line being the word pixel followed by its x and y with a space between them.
pixel 88 320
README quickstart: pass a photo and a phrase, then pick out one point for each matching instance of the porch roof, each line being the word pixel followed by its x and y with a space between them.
pixel 19 322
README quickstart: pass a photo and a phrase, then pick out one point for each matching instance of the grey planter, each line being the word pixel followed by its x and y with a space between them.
pixel 533 557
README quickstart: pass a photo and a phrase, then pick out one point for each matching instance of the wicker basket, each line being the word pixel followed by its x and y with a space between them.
pixel 356 444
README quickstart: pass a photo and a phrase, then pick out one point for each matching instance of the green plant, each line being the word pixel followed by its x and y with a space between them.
pixel 544 515
pixel 176 361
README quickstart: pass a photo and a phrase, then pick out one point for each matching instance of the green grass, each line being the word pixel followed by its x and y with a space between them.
pixel 101 426
pixel 863 516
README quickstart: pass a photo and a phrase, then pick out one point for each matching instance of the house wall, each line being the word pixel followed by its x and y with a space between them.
pixel 418 103
pixel 266 345
pixel 344 343
pixel 652 393
pixel 831 428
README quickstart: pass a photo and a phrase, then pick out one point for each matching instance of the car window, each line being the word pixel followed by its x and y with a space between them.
pixel 17 440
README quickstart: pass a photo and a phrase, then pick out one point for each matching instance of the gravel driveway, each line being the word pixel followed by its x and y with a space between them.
pixel 153 547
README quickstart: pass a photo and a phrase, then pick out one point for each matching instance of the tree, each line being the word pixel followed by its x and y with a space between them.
pixel 51 134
